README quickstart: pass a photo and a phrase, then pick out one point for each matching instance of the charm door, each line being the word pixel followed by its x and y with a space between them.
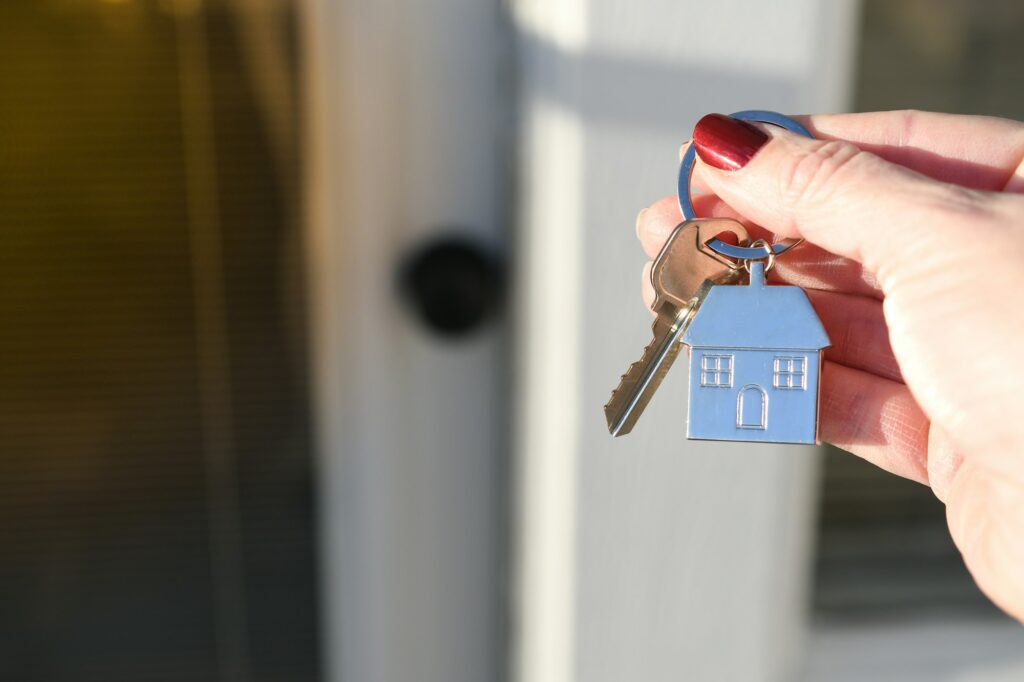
pixel 752 408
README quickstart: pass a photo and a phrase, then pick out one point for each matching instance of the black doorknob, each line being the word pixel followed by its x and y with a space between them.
pixel 453 285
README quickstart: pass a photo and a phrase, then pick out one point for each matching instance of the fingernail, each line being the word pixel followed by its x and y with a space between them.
pixel 727 143
pixel 639 219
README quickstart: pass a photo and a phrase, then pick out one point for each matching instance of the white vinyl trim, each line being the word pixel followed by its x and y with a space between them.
pixel 404 115
pixel 638 557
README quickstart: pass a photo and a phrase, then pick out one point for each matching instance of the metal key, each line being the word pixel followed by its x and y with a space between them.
pixel 682 275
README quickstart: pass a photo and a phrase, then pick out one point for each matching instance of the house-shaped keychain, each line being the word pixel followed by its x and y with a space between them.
pixel 755 364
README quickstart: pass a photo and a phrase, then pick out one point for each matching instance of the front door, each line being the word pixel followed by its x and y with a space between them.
pixel 752 408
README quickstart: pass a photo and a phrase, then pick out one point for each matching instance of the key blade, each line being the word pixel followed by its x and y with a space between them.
pixel 643 377
pixel 682 275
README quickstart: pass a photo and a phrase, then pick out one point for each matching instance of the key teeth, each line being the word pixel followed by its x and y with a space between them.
pixel 624 380
pixel 636 365
pixel 661 328
pixel 673 313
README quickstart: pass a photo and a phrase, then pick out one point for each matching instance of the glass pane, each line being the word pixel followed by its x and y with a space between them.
pixel 155 505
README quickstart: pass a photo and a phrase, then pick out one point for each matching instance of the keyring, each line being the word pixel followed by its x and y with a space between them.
pixel 766 253
pixel 686 172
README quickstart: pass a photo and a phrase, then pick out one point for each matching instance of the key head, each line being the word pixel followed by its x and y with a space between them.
pixel 685 262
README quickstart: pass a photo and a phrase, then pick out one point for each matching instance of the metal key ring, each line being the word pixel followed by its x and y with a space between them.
pixel 686 172
pixel 769 255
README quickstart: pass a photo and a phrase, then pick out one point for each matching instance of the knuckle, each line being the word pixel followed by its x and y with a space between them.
pixel 906 124
pixel 956 209
pixel 962 202
pixel 811 176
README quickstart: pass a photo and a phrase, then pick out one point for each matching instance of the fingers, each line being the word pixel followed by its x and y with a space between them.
pixel 807 266
pixel 875 419
pixel 944 460
pixel 849 202
pixel 646 288
pixel 985 511
pixel 655 224
pixel 856 326
pixel 811 267
pixel 982 153
pixel 979 152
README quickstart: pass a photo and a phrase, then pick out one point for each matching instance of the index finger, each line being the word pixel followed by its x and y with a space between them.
pixel 976 152
pixel 979 152
pixel 848 201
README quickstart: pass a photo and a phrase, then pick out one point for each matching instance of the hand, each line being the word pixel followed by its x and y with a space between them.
pixel 915 264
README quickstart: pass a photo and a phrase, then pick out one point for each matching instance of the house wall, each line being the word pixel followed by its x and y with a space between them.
pixel 792 413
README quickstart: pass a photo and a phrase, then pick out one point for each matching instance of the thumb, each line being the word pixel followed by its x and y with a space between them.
pixel 847 201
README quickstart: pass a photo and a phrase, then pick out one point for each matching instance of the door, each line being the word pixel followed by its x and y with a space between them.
pixel 752 408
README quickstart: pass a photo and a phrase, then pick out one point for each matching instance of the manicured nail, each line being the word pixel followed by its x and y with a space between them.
pixel 727 143
pixel 639 220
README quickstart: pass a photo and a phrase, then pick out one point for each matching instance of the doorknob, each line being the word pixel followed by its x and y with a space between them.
pixel 453 285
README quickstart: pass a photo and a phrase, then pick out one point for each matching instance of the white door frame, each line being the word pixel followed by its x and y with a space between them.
pixel 403 137
pixel 645 557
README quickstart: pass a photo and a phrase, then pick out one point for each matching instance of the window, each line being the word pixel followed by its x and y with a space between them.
pixel 716 371
pixel 790 373
pixel 156 454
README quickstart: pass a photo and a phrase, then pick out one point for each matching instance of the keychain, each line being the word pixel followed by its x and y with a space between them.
pixel 755 349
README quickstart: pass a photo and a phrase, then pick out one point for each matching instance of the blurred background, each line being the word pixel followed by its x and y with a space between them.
pixel 308 309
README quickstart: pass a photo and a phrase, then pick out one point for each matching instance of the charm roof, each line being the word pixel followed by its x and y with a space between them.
pixel 756 316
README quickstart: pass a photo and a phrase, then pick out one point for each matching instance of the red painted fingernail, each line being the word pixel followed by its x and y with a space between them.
pixel 727 143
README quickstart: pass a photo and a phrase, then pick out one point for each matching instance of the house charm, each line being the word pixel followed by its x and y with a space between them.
pixel 755 364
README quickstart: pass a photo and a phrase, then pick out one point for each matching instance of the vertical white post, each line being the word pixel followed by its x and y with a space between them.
pixel 404 108
pixel 645 557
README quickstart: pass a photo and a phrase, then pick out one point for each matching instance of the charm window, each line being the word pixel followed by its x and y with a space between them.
pixel 716 370
pixel 789 373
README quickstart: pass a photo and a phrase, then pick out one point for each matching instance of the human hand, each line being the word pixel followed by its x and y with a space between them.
pixel 915 262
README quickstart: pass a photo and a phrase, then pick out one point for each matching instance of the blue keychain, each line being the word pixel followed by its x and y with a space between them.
pixel 755 349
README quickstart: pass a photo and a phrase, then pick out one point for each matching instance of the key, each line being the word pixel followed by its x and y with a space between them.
pixel 682 275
